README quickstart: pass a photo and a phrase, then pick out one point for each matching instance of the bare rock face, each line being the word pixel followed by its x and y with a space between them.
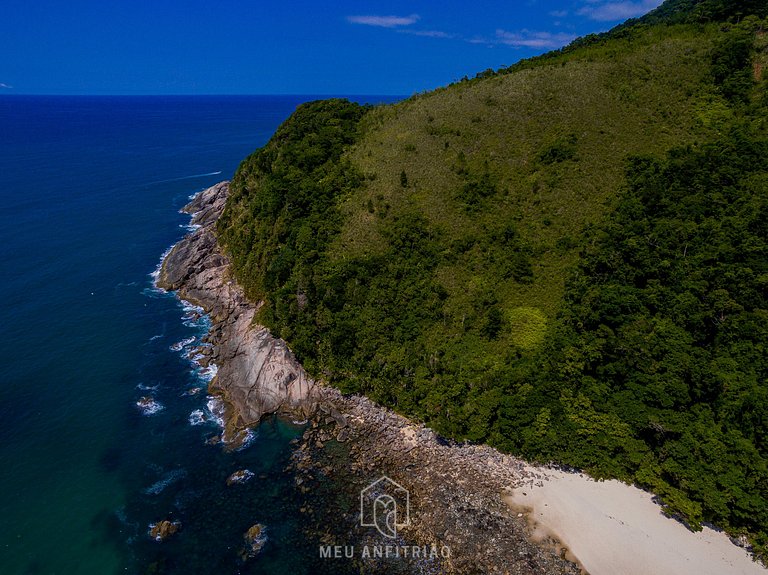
pixel 257 373
pixel 456 500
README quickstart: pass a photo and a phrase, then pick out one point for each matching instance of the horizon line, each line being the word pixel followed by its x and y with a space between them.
pixel 123 95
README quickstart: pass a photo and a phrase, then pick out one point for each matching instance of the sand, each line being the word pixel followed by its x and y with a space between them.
pixel 611 528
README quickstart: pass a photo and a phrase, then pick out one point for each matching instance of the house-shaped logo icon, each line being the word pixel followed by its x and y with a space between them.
pixel 385 505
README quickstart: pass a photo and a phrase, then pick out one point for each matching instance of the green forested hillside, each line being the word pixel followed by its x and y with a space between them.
pixel 567 259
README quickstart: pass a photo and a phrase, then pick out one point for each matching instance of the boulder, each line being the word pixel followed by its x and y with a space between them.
pixel 162 530
pixel 255 539
pixel 240 476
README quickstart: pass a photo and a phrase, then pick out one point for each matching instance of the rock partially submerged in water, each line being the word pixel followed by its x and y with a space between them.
pixel 240 476
pixel 164 529
pixel 255 539
pixel 148 405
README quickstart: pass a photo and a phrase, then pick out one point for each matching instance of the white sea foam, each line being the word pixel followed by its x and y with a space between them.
pixel 154 337
pixel 201 323
pixel 179 345
pixel 249 436
pixel 207 374
pixel 155 275
pixel 215 413
pixel 166 480
pixel 153 291
pixel 241 476
pixel 197 417
pixel 215 410
pixel 193 196
pixel 190 307
pixel 194 316
pixel 149 405
pixel 145 387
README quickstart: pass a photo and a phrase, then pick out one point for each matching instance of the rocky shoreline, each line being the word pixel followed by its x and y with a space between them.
pixel 257 373
pixel 456 492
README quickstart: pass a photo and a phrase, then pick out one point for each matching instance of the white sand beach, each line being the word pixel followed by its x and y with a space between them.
pixel 611 528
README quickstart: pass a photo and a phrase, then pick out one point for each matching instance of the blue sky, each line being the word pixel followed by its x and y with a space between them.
pixel 288 47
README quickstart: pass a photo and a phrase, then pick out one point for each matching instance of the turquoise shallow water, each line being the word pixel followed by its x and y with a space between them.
pixel 91 189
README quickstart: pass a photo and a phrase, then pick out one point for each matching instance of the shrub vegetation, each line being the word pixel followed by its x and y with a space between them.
pixel 567 258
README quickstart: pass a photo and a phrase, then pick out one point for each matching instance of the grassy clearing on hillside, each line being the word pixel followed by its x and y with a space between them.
pixel 566 261
pixel 607 103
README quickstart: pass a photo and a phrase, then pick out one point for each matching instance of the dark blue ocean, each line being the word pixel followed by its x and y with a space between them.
pixel 91 190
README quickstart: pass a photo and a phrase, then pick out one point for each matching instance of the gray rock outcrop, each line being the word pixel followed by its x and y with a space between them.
pixel 257 373
pixel 456 491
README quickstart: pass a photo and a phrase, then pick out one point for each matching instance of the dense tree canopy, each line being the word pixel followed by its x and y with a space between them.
pixel 661 362
pixel 654 368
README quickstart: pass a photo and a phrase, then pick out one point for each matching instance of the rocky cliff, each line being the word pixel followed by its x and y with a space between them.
pixel 257 373
pixel 456 491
